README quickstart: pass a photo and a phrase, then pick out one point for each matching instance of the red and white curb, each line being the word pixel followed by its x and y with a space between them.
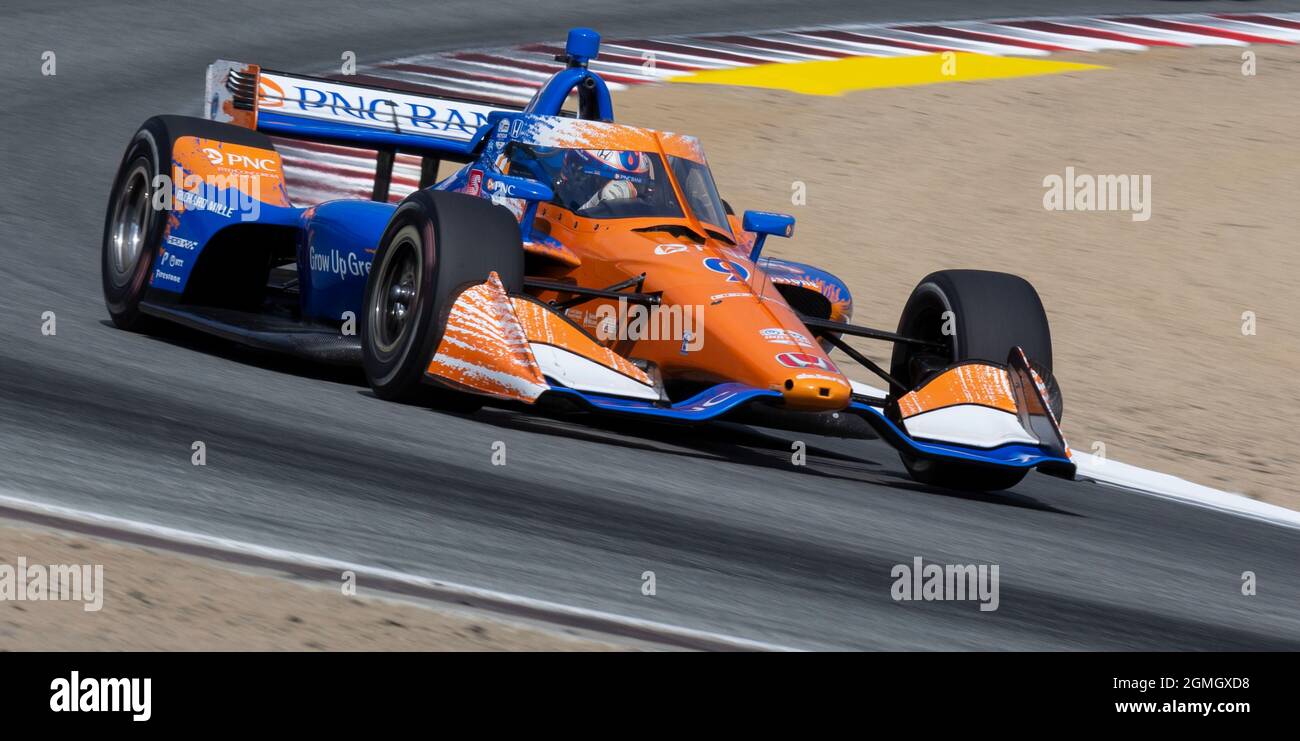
pixel 509 76
pixel 316 172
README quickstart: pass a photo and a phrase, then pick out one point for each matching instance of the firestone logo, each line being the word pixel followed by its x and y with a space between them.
pixel 474 183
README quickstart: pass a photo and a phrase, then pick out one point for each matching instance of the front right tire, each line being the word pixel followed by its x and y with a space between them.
pixel 437 243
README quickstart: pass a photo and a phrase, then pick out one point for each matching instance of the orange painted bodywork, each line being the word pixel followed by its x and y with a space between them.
pixel 970 383
pixel 484 347
pixel 749 334
pixel 748 328
pixel 542 325
pixel 256 172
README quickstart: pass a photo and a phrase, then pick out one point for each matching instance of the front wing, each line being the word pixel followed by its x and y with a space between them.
pixel 518 349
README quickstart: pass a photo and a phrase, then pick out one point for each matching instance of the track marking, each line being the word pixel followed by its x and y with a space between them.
pixel 1162 485
pixel 327 570
pixel 839 76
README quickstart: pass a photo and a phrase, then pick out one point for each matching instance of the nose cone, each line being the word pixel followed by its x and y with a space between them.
pixel 815 391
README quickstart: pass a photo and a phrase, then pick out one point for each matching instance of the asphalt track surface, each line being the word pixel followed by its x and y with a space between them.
pixel 740 541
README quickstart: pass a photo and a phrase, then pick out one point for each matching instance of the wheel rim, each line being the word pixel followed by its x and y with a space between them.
pixel 397 294
pixel 130 224
pixel 927 325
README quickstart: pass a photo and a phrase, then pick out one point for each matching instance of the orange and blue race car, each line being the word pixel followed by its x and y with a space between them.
pixel 570 263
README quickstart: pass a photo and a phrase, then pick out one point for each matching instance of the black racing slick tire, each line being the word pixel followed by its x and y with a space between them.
pixel 137 217
pixel 991 313
pixel 437 243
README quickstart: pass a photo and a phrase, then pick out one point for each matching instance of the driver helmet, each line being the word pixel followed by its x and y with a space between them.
pixel 595 169
pixel 615 163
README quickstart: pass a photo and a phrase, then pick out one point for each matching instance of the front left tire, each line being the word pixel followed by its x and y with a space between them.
pixel 975 315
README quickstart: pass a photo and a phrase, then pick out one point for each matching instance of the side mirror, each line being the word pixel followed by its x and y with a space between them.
pixel 764 223
pixel 532 191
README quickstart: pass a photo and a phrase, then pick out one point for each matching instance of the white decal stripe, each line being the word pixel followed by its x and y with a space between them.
pixel 968 424
pixel 584 374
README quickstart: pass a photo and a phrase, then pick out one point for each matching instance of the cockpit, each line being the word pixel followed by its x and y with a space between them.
pixel 622 183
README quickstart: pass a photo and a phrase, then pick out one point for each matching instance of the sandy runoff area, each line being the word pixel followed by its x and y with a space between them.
pixel 151 600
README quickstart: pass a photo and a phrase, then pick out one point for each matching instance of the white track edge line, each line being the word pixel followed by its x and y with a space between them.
pixel 292 557
pixel 1166 486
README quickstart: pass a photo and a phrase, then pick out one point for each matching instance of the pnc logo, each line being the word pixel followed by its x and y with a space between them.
pixel 234 159
pixel 800 360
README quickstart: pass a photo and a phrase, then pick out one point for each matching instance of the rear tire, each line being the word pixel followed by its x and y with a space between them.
pixel 131 232
pixel 436 244
pixel 133 228
pixel 991 313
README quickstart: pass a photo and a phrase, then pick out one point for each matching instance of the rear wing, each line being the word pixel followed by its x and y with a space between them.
pixel 345 113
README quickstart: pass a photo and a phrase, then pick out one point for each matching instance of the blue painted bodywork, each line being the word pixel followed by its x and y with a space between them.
pixel 812 278
pixel 335 249
pixel 1015 455
pixel 183 241
pixel 279 123
pixel 704 406
pixel 765 223
pixel 720 400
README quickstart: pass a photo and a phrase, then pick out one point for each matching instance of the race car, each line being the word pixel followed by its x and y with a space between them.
pixel 569 264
